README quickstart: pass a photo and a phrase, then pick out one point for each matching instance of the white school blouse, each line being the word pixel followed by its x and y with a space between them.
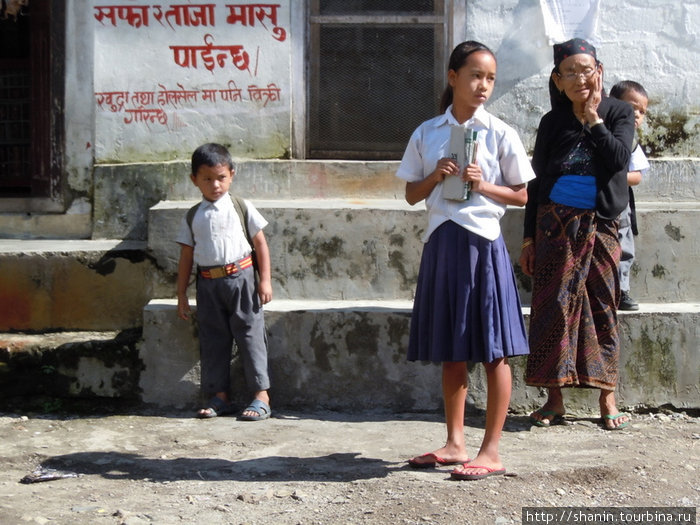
pixel 219 232
pixel 501 157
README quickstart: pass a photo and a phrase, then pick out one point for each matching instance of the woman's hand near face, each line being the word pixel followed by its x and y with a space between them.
pixel 595 95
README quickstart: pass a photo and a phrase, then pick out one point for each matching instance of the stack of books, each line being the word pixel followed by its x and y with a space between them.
pixel 463 147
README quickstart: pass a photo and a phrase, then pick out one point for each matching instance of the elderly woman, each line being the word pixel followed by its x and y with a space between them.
pixel 570 246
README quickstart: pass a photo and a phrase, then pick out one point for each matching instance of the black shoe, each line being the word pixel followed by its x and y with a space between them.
pixel 627 303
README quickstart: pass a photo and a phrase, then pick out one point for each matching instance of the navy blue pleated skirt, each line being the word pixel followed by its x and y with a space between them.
pixel 467 306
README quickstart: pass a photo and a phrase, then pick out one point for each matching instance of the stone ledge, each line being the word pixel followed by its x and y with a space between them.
pixel 75 285
pixel 70 364
pixel 125 192
pixel 370 248
pixel 344 355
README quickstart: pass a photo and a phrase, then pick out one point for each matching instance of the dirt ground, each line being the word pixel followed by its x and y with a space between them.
pixel 140 467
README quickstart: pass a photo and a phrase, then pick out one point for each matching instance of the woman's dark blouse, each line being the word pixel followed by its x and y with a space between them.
pixel 559 132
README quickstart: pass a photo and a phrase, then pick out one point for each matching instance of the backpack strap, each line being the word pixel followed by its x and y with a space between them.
pixel 190 217
pixel 242 211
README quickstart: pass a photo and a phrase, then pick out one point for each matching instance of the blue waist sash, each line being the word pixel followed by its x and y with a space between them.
pixel 577 191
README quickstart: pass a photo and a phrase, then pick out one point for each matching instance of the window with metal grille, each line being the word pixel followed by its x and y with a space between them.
pixel 376 72
pixel 15 106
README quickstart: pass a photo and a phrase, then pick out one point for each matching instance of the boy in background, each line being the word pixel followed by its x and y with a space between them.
pixel 229 301
pixel 633 93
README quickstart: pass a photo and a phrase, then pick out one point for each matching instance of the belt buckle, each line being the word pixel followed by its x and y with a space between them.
pixel 217 273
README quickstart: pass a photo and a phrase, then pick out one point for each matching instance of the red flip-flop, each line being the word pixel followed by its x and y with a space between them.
pixel 473 477
pixel 436 460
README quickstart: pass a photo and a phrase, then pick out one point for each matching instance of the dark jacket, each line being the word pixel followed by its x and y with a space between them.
pixel 558 133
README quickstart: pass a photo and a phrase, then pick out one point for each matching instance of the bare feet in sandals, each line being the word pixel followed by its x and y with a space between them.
pixel 610 417
pixel 482 466
pixel 218 405
pixel 259 408
pixel 443 456
pixel 552 412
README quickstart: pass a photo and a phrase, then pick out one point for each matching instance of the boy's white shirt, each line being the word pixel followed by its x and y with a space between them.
pixel 219 233
pixel 638 160
pixel 501 156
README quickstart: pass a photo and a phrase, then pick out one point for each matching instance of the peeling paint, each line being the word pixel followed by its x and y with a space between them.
pixel 363 337
pixel 396 261
pixel 668 134
pixel 396 239
pixel 674 232
pixel 321 348
pixel 651 362
pixel 398 330
pixel 658 271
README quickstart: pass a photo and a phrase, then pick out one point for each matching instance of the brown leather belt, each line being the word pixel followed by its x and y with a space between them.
pixel 229 269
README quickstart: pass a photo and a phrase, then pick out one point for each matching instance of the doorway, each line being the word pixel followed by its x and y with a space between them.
pixel 31 100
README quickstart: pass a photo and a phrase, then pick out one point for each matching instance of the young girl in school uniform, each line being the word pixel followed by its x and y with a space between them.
pixel 466 304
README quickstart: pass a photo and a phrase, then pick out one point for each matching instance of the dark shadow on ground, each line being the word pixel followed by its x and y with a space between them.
pixel 342 467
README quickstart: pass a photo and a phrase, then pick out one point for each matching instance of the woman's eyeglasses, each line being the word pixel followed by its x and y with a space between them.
pixel 572 75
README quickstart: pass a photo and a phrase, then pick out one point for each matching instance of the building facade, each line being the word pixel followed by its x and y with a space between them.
pixel 93 93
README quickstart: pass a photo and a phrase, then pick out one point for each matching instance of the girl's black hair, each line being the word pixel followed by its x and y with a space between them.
pixel 458 58
pixel 211 155
pixel 622 87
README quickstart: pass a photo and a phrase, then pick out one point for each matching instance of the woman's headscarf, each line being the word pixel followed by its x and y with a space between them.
pixel 575 46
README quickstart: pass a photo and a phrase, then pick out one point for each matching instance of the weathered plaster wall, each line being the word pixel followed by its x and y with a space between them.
pixel 168 77
pixel 128 102
pixel 148 107
pixel 651 41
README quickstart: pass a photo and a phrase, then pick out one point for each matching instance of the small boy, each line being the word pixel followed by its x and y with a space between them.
pixel 229 305
pixel 634 94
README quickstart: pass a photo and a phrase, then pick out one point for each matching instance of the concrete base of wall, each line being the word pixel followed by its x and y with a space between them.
pixel 351 355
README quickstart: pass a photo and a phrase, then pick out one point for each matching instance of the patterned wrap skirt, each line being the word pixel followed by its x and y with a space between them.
pixel 467 306
pixel 574 338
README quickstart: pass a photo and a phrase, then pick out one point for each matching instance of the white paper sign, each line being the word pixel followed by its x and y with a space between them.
pixel 567 19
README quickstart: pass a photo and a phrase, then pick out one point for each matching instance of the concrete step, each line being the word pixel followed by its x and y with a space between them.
pixel 131 189
pixel 70 364
pixel 134 188
pixel 370 248
pixel 75 285
pixel 347 355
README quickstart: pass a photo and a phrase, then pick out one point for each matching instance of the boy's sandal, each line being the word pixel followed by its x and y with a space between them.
pixel 261 408
pixel 215 407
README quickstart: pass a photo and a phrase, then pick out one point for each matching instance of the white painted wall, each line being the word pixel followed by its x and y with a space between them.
pixel 654 42
pixel 120 72
pixel 171 76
